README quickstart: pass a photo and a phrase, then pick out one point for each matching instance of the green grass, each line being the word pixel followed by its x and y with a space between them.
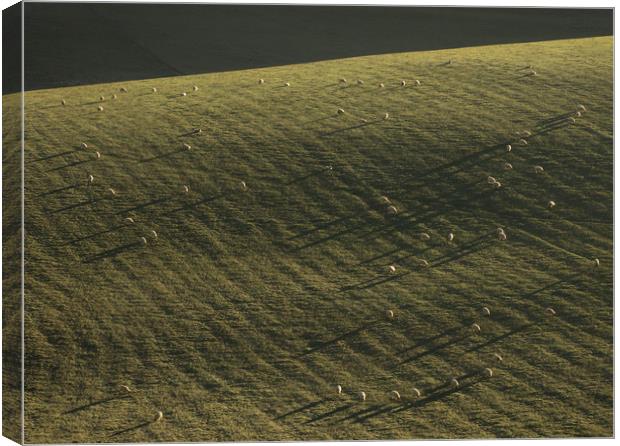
pixel 238 321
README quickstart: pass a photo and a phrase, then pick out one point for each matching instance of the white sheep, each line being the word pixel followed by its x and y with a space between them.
pixel 491 180
pixel 539 169
pixel 389 314
pixel 363 396
pixel 488 372
pixel 454 383
pixel 339 389
pixel 597 263
pixel 550 311
pixel 581 107
pixel 386 116
pixel 381 85
pixel 144 240
pixel 532 73
pixel 185 188
pixel 125 388
pixel 392 210
pixel 551 204
pixel 84 146
pixel 572 120
pixel 523 142
pixel 186 146
pixel 340 111
pixel 100 108
pixel 416 392
pixel 497 185
pixel 486 311
pixel 508 148
pixel 502 237
pixel 91 179
pixel 424 236
pixel 98 155
pixel 360 82
pixel 391 269
pixel 364 120
pixel 196 131
pixel 112 192
pixel 395 395
pixel 475 328
pixel 507 166
pixel 578 114
pixel 450 237
pixel 114 96
pixel 195 88
pixel 498 357
pixel 424 263
pixel 184 94
pixel 417 82
pixel 261 81
pixel 287 84
pixel 243 185
pixel 158 416
pixel 154 234
pixel 129 220
pixel 403 83
pixel 384 199
pixel 102 98
pixel 123 90
pixel 343 81
pixel 154 90
pixel 63 102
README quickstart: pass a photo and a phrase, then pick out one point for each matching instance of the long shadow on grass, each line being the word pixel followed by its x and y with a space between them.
pixel 499 338
pixel 61 189
pixel 195 204
pixel 66 166
pixel 144 205
pixel 378 280
pixel 77 205
pixel 49 157
pixel 112 252
pixel 365 124
pixel 344 336
pixel 131 428
pixel 330 413
pixel 163 155
pixel 301 409
pixel 96 403
pixel 88 237
pixel 436 348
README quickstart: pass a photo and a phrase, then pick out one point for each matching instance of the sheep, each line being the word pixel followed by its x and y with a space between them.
pixel 340 111
pixel 100 108
pixel 497 185
pixel 243 185
pixel 381 85
pixel 403 83
pixel 343 81
pixel 386 116
pixel 498 357
pixel 196 131
pixel 184 94
pixel 154 234
pixel 261 81
pixel 129 220
pixel 581 107
pixel 491 180
pixel 114 96
pixel 578 114
pixel 287 84
pixel 125 388
pixel 424 236
pixel 488 372
pixel 364 120
pixel 339 389
pixel 539 169
pixel 195 88
pixel 84 146
pixel 185 188
pixel 502 237
pixel 384 199
pixel 101 98
pixel 158 416
pixel 486 311
pixel 550 311
pixel 91 179
pixel 63 102
pixel 551 204
pixel 363 396
pixel 98 155
pixel 154 90
pixel 392 210
pixel 329 168
pixel 186 146
pixel 524 133
pixel 417 82
pixel 507 166
pixel 597 263
pixel 475 328
pixel 449 61
pixel 395 395
pixel 532 73
pixel 391 269
pixel 123 90
pixel 416 392
pixel 390 314
pixel 424 263
pixel 508 148
pixel 144 240
pixel 360 82
pixel 454 383
pixel 112 192
pixel 450 237
pixel 523 142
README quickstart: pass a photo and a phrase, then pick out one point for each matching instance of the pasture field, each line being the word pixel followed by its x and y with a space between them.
pixel 249 308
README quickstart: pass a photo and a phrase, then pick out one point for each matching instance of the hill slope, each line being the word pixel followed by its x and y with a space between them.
pixel 241 318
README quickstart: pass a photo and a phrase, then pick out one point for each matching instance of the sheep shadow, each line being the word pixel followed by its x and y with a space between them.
pixel 306 177
pixel 375 281
pixel 426 341
pixel 75 163
pixel 96 234
pixel 353 127
pixel 109 253
pixel 301 409
pixel 436 348
pixel 131 428
pixel 144 205
pixel 95 403
pixel 326 225
pixel 195 204
pixel 61 189
pixel 330 413
pixel 342 337
pixel 77 205
pixel 190 133
pixel 49 157
pixel 163 155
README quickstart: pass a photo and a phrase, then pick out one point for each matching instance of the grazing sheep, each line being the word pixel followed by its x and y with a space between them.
pixel 154 90
pixel 91 179
pixel 195 88
pixel 491 180
pixel 497 185
pixel 475 328
pixel 98 155
pixel 551 204
pixel 144 240
pixel 581 107
pixel 287 84
pixel 454 383
pixel 184 94
pixel 84 146
pixel 508 148
pixel 389 314
pixel 539 169
pixel 158 416
pixel 578 114
pixel 129 220
pixel 261 81
pixel 416 392
pixel 340 111
pixel 486 311
pixel 125 388
pixel 186 146
pixel 381 85
pixel 386 116
pixel 339 389
pixel 499 230
pixel 498 357
pixel 153 233
pixel 450 237
pixel 360 82
pixel 114 96
pixel 186 188
pixel 508 166
pixel 330 168
pixel 488 372
pixel 424 263
pixel 112 192
pixel 532 73
pixel 391 269
pixel 243 185
pixel 424 236
pixel 395 395
pixel 100 108
pixel 384 199
pixel 63 102
pixel 343 81
pixel 523 142
pixel 392 210
pixel 417 82
pixel 403 83
pixel 597 263
pixel 363 396
pixel 364 120
pixel 550 311
pixel 123 90
pixel 102 98
pixel 196 131
pixel 572 120
pixel 502 237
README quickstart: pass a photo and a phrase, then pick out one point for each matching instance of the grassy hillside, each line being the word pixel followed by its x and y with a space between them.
pixel 251 306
